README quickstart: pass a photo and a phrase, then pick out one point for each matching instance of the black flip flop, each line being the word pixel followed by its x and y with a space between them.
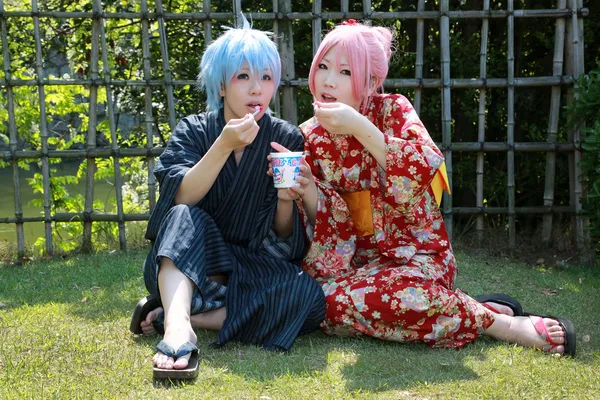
pixel 143 307
pixel 191 372
pixel 503 299
pixel 570 336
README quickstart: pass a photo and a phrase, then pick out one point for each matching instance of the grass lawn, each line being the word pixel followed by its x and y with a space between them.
pixel 64 334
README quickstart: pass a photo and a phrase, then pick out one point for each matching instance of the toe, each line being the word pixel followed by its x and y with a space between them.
pixel 160 360
pixel 153 315
pixel 182 362
pixel 147 330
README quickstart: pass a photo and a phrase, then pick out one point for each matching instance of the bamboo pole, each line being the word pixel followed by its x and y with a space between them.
pixel 221 16
pixel 13 137
pixel 367 10
pixel 277 96
pixel 577 71
pixel 446 109
pixel 557 69
pixel 113 135
pixel 481 119
pixel 207 24
pixel 510 126
pixel 525 147
pixel 463 83
pixel 586 244
pixel 39 64
pixel 78 217
pixel 148 118
pixel 419 59
pixel 344 8
pixel 87 245
pixel 164 52
pixel 286 50
pixel 517 210
pixel 237 9
pixel 316 26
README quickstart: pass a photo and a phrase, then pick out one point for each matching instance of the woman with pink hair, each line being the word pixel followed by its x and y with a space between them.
pixel 370 191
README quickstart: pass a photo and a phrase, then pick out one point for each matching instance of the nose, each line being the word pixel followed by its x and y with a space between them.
pixel 256 87
pixel 329 80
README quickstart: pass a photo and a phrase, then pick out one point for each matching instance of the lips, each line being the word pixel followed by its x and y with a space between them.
pixel 253 105
pixel 327 98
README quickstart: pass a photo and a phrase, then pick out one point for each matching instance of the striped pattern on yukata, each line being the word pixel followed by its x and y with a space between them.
pixel 269 299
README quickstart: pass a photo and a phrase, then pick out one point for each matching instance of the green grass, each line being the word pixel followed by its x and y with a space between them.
pixel 64 334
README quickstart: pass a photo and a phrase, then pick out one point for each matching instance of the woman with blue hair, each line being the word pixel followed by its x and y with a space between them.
pixel 226 244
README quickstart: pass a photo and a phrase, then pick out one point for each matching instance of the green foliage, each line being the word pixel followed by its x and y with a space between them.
pixel 68 107
pixel 585 111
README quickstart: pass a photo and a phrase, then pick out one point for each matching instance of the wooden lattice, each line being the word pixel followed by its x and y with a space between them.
pixel 568 56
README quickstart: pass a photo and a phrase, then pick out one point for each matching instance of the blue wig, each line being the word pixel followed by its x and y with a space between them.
pixel 225 56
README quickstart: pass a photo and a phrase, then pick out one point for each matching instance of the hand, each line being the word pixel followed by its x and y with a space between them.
pixel 238 133
pixel 338 118
pixel 302 181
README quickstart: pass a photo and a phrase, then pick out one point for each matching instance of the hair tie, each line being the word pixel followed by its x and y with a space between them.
pixel 349 22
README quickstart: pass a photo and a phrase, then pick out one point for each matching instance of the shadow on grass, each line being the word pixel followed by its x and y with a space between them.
pixel 98 287
pixel 357 364
pixel 106 287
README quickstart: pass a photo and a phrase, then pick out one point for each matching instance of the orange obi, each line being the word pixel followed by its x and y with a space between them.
pixel 359 205
pixel 440 183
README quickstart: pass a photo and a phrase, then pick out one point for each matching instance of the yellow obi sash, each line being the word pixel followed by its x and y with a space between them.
pixel 359 205
pixel 440 183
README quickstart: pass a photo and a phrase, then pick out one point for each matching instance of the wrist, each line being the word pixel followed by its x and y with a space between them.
pixel 221 147
pixel 310 192
pixel 362 126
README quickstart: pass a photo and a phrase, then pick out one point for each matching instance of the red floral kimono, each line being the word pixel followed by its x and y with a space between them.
pixel 388 272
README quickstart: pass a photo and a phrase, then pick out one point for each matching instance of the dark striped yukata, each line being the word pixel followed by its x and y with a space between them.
pixel 269 299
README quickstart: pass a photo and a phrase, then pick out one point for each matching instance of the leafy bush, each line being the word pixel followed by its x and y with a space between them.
pixel 585 111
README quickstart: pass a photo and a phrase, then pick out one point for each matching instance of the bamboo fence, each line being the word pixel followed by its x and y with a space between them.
pixel 568 55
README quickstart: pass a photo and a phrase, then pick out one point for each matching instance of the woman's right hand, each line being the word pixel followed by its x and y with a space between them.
pixel 238 133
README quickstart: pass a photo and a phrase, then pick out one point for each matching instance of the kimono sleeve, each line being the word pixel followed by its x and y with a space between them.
pixel 183 151
pixel 412 158
pixel 333 237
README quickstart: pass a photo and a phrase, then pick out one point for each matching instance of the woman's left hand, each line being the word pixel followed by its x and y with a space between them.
pixel 338 118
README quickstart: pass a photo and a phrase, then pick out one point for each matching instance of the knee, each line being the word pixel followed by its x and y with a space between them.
pixel 181 210
pixel 183 214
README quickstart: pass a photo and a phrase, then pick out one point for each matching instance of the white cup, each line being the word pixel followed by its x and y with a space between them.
pixel 286 167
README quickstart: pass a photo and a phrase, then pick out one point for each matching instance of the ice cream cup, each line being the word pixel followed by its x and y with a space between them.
pixel 286 167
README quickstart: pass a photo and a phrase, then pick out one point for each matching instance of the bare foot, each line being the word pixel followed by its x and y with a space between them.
pixel 147 325
pixel 501 309
pixel 521 330
pixel 176 334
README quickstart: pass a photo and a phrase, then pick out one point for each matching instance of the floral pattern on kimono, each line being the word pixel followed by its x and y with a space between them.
pixel 397 283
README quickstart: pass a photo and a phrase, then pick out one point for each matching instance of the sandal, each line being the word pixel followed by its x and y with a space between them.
pixel 570 343
pixel 500 298
pixel 190 372
pixel 143 307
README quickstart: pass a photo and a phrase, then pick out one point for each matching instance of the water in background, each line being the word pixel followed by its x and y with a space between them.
pixel 103 190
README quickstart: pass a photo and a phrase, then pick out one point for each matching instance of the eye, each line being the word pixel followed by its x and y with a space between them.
pixel 322 66
pixel 243 76
pixel 346 72
pixel 266 77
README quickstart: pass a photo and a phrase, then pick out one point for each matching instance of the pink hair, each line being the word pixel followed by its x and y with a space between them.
pixel 368 50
